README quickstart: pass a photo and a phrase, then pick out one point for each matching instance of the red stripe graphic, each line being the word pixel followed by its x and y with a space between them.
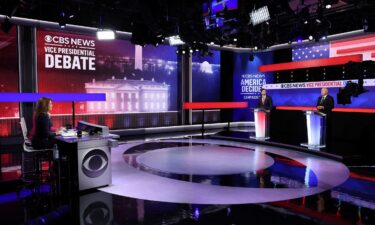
pixel 357 49
pixel 302 108
pixel 352 41
pixel 310 63
pixel 215 105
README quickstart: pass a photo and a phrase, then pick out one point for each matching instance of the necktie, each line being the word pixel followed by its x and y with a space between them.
pixel 321 102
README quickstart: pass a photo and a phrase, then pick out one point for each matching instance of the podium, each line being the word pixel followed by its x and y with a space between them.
pixel 261 119
pixel 316 129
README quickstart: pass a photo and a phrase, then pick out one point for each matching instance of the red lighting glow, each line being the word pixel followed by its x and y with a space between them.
pixel 215 105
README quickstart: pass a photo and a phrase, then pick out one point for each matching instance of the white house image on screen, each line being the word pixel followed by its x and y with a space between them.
pixel 125 95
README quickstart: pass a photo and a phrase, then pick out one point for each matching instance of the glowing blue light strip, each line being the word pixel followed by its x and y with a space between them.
pixel 56 97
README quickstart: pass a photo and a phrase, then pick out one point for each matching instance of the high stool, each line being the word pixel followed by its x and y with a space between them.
pixel 37 176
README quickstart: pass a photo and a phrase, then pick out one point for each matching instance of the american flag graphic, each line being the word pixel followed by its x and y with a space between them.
pixel 310 51
pixel 364 45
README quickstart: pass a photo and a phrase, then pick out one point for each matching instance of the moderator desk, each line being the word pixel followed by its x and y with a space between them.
pixel 86 161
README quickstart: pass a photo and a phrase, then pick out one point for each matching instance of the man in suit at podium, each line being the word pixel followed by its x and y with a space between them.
pixel 325 105
pixel 265 101
pixel 325 102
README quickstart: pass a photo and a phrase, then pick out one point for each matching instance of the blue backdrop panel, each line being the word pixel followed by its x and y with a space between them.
pixel 206 78
pixel 247 81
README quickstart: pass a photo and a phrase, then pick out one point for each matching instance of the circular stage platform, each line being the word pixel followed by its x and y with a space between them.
pixel 205 160
pixel 208 171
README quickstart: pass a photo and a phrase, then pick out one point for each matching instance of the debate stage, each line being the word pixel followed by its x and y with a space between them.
pixel 210 180
pixel 209 171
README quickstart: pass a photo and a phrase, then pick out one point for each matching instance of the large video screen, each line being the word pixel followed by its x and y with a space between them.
pixel 9 111
pixel 206 78
pixel 306 94
pixel 134 78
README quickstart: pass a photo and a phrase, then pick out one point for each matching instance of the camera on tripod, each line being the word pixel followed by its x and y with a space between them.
pixel 355 70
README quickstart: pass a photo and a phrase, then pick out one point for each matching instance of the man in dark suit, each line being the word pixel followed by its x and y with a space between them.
pixel 325 102
pixel 265 101
pixel 325 105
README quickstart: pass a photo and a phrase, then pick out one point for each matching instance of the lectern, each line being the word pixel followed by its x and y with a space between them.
pixel 261 119
pixel 316 129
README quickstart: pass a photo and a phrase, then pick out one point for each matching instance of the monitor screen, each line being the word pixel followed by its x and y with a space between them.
pixel 219 6
pixel 216 12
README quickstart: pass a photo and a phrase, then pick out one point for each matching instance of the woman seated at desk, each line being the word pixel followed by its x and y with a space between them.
pixel 42 135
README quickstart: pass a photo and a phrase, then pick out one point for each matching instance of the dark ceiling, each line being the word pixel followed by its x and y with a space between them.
pixel 149 20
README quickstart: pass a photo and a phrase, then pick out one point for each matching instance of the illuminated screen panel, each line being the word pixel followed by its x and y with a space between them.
pixel 9 111
pixel 206 78
pixel 135 79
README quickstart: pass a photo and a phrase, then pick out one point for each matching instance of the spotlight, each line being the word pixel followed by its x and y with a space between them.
pixel 175 40
pixel 105 35
pixel 260 15
pixel 62 20
pixel 183 52
pixel 62 24
pixel 311 37
pixel 235 39
pixel 191 51
pixel 329 3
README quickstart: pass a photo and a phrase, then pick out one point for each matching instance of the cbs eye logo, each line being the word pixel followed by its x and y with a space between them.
pixel 97 213
pixel 94 163
pixel 48 38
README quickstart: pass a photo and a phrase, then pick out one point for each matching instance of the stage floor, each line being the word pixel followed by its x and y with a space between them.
pixel 207 171
pixel 209 181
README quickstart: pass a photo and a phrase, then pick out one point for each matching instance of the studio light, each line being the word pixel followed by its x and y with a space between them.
pixel 62 20
pixel 260 15
pixel 62 24
pixel 328 3
pixel 105 35
pixel 175 40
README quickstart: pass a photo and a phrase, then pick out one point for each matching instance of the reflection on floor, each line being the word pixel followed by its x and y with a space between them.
pixel 314 190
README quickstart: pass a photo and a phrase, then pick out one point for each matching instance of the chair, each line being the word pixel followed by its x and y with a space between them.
pixel 38 156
